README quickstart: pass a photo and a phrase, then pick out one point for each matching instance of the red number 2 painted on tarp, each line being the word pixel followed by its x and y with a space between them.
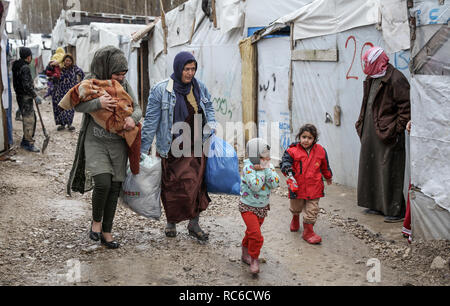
pixel 353 60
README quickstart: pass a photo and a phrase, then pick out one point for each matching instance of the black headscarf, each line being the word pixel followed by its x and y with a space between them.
pixel 182 89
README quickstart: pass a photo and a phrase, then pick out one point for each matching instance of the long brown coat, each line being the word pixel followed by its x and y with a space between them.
pixel 391 107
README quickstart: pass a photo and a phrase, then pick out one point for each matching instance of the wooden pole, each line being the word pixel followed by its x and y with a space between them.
pixel 141 55
pixel 213 5
pixel 163 21
pixel 146 13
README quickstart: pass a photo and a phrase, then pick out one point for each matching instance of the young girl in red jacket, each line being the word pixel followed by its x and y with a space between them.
pixel 304 163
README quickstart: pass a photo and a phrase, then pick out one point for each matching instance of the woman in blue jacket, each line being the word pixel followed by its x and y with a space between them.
pixel 180 102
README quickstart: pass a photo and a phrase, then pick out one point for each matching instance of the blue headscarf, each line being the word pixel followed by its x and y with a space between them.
pixel 181 89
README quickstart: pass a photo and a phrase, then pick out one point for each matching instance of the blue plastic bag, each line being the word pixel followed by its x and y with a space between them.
pixel 222 168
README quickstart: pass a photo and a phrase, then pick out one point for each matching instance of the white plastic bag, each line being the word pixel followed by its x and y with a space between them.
pixel 142 192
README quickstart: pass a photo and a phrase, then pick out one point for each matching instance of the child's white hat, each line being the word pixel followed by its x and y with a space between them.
pixel 256 148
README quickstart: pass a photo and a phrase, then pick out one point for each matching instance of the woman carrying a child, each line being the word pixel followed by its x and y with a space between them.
pixel 64 75
pixel 101 155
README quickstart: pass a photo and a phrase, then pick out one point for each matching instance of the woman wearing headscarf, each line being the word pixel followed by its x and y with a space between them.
pixel 385 112
pixel 64 75
pixel 101 156
pixel 182 99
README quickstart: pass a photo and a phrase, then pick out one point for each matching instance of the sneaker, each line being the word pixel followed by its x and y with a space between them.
pixel 60 128
pixel 71 128
pixel 29 147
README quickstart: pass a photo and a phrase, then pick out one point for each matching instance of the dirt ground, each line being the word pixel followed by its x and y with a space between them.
pixel 44 236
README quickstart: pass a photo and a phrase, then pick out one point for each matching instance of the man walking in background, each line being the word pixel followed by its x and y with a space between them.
pixel 25 94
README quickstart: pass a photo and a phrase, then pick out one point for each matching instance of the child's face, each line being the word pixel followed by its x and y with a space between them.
pixel 306 139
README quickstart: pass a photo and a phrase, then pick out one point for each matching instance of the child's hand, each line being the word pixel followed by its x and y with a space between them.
pixel 329 181
pixel 258 167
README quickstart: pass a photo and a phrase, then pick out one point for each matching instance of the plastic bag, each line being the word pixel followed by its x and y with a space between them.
pixel 222 168
pixel 142 192
pixel 292 183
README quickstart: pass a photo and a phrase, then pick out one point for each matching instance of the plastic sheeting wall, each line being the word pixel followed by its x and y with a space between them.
pixel 430 136
pixel 430 113
pixel 323 17
pixel 4 75
pixel 181 21
pixel 83 60
pixel 259 14
pixel 319 86
pixel 117 35
pixel 273 82
pixel 428 220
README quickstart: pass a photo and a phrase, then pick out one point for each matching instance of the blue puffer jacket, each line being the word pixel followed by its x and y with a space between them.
pixel 159 116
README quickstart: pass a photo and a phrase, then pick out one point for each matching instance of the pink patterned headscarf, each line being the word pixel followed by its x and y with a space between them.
pixel 375 62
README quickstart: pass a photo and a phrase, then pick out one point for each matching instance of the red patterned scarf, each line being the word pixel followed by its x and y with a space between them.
pixel 375 62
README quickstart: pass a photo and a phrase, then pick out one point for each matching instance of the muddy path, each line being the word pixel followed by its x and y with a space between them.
pixel 44 236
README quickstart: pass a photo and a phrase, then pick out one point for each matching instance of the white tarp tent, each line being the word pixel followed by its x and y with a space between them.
pixel 319 86
pixel 118 35
pixel 221 77
pixel 273 75
pixel 4 78
pixel 216 50
pixel 89 38
pixel 261 13
pixel 430 113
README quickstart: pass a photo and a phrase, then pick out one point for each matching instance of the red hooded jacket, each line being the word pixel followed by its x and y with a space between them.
pixel 307 170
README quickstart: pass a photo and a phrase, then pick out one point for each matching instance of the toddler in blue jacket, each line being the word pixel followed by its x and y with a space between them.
pixel 258 179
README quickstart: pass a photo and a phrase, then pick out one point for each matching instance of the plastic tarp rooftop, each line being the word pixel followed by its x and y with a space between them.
pixel 324 17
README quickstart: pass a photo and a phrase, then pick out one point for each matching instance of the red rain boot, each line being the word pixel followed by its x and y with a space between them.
pixel 246 258
pixel 295 224
pixel 309 235
pixel 254 266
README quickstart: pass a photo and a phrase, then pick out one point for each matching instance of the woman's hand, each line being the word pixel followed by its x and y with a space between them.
pixel 329 181
pixel 408 126
pixel 129 124
pixel 107 102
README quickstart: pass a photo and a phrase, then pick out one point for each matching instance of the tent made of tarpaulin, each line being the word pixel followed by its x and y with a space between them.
pixel 120 36
pixel 261 13
pixel 430 117
pixel 216 44
pixel 216 49
pixel 323 66
pixel 5 104
pixel 85 40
